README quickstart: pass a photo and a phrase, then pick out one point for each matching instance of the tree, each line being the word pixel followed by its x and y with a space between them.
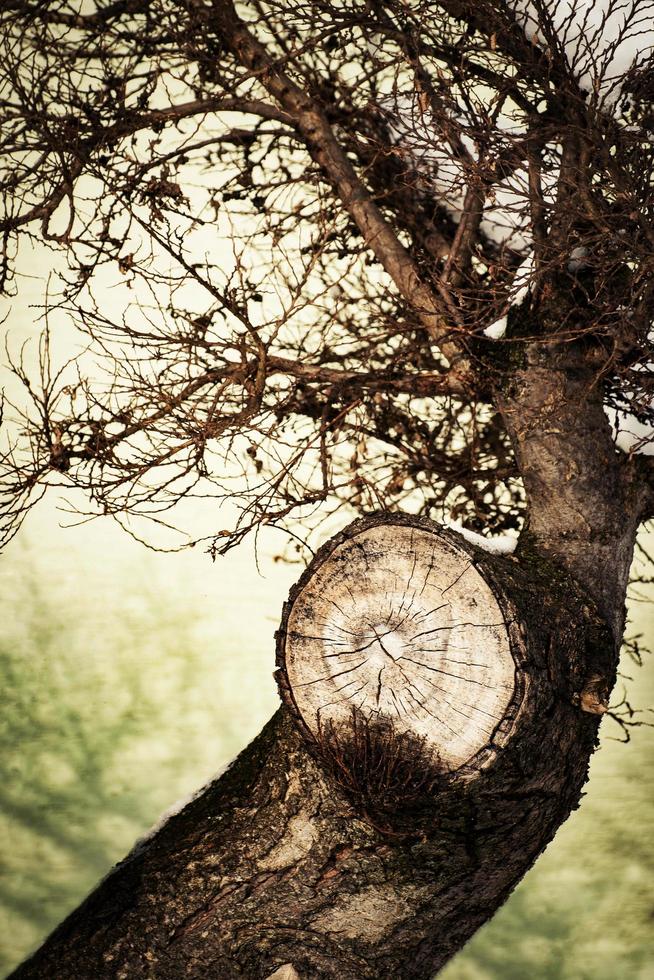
pixel 440 219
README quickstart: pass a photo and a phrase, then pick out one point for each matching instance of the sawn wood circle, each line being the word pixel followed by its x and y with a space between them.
pixel 397 623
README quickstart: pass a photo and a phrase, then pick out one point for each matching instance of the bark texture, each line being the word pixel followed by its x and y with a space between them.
pixel 586 500
pixel 276 865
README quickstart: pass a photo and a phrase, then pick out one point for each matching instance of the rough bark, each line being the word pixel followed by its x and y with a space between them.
pixel 276 864
pixel 585 498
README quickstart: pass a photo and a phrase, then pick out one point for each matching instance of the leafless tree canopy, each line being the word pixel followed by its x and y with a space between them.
pixel 286 228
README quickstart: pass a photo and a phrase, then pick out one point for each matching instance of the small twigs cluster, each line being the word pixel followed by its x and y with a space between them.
pixel 299 246
pixel 389 775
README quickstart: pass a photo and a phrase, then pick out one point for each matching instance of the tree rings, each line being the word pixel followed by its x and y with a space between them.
pixel 394 622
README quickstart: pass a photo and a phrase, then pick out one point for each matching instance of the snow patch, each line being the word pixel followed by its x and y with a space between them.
pixel 506 220
pixel 521 285
pixel 418 135
pixel 520 288
pixel 501 544
pixel 601 39
pixel 176 808
pixel 497 329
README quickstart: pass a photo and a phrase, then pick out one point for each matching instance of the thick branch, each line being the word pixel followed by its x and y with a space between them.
pixel 585 501
pixel 285 861
pixel 377 232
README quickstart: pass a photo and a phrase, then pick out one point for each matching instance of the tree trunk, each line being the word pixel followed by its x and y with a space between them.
pixel 282 862
pixel 585 498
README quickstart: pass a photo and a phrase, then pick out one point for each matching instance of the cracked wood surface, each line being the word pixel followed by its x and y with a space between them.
pixel 398 624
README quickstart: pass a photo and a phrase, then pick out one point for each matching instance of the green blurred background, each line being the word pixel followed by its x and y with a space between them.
pixel 131 677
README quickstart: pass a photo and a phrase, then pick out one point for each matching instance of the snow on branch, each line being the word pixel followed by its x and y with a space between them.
pixel 602 41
